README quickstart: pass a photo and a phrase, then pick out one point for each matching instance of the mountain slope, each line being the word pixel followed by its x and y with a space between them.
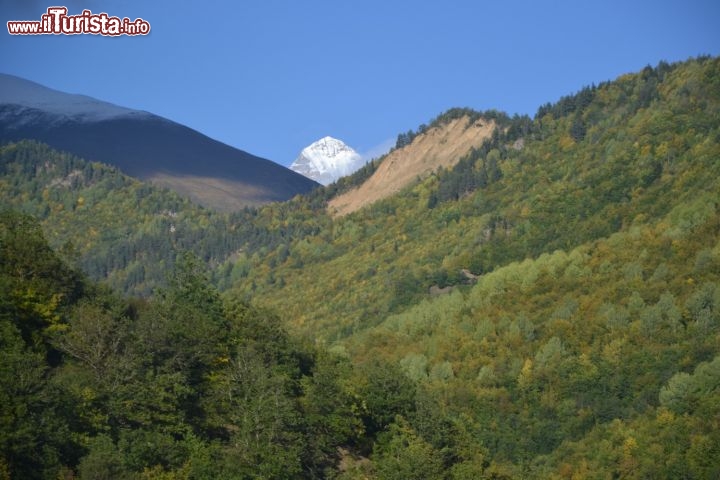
pixel 548 307
pixel 326 160
pixel 535 188
pixel 439 146
pixel 117 229
pixel 582 338
pixel 144 146
pixel 570 356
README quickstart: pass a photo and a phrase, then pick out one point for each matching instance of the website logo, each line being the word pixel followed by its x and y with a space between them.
pixel 57 22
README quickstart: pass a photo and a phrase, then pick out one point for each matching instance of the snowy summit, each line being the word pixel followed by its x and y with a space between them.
pixel 327 160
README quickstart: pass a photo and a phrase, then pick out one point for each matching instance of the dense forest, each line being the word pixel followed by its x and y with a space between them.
pixel 184 385
pixel 547 308
pixel 118 229
pixel 544 191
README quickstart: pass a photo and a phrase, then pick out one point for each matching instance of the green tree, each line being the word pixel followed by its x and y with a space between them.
pixel 250 404
pixel 401 454
pixel 35 282
pixel 36 439
pixel 331 412
pixel 388 392
pixel 103 462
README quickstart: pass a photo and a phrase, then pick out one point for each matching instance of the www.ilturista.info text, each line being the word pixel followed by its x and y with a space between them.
pixel 57 22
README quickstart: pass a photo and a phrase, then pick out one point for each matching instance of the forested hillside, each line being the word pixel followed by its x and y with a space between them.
pixel 589 344
pixel 183 386
pixel 549 307
pixel 117 229
pixel 649 144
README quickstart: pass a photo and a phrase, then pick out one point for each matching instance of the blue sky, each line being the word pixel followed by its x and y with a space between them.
pixel 271 76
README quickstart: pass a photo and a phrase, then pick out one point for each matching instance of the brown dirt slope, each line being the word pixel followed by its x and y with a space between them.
pixel 439 146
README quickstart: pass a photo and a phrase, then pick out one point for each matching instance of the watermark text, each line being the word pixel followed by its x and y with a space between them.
pixel 57 22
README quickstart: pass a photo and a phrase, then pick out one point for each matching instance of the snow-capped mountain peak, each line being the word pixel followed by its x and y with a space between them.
pixel 326 160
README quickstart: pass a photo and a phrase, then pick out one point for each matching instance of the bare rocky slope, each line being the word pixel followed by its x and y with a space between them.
pixel 440 146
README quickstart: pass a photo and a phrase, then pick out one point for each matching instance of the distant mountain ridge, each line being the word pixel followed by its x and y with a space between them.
pixel 326 160
pixel 31 95
pixel 145 146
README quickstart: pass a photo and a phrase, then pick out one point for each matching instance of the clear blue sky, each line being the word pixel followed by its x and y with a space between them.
pixel 271 76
